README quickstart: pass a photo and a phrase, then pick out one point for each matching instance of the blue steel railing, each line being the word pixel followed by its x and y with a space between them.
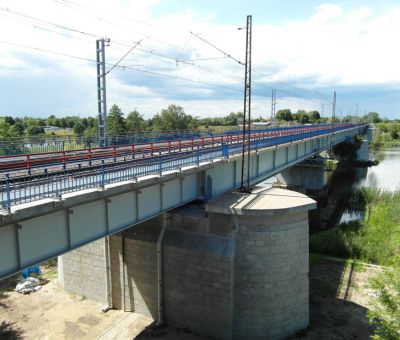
pixel 16 191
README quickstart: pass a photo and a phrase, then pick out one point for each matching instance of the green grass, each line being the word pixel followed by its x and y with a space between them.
pixel 374 239
pixel 316 258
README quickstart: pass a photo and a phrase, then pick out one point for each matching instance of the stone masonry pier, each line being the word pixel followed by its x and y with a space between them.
pixel 235 268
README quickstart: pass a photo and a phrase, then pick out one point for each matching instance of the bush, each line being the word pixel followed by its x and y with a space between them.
pixel 375 238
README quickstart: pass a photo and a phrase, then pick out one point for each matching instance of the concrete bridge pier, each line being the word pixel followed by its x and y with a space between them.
pixel 271 264
pixel 304 177
pixel 363 151
pixel 236 268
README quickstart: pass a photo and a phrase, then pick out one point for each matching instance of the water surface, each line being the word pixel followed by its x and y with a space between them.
pixel 385 175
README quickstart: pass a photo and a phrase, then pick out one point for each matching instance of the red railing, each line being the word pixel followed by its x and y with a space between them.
pixel 62 158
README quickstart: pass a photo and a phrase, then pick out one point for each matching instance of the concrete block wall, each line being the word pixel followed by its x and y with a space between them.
pixel 198 282
pixel 83 272
pixel 133 260
pixel 271 281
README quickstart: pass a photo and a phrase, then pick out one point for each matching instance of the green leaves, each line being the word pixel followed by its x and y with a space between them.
pixel 115 120
pixel 174 118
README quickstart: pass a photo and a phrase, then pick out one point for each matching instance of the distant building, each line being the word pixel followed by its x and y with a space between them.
pixel 260 125
pixel 49 128
pixel 255 125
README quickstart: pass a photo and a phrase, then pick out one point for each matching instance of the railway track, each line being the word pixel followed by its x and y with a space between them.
pixel 28 165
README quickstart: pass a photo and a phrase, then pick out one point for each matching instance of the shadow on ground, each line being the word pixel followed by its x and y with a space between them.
pixel 166 332
pixel 2 297
pixel 332 315
pixel 8 331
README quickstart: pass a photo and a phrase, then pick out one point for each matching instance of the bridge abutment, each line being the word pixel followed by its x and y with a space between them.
pixel 236 269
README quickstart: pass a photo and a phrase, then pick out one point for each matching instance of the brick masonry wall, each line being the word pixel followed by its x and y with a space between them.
pixel 83 272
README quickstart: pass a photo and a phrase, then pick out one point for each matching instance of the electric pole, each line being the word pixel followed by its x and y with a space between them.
pixel 322 109
pixel 273 105
pixel 358 111
pixel 245 180
pixel 334 108
pixel 101 90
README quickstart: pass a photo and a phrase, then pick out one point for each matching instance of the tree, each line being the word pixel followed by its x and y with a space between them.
pixel 6 130
pixel 63 123
pixel 79 128
pixel 285 114
pixel 33 130
pixel 85 122
pixel 374 117
pixel 385 312
pixel 314 116
pixel 92 122
pixel 9 120
pixel 304 118
pixel 233 118
pixel 19 126
pixel 51 120
pixel 174 118
pixel 394 134
pixel 41 122
pixel 115 120
pixel 135 122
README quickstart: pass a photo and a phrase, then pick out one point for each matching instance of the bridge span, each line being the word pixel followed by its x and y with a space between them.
pixel 53 203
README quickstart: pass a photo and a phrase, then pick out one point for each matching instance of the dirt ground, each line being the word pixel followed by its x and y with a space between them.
pixel 339 299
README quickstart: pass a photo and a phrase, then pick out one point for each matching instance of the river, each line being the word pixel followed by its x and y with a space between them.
pixel 384 176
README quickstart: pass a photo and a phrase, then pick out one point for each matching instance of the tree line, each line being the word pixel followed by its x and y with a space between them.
pixel 171 118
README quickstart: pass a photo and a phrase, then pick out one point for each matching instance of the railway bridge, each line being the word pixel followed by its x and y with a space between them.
pixel 53 203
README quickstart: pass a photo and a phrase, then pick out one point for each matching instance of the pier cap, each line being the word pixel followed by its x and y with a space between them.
pixel 261 202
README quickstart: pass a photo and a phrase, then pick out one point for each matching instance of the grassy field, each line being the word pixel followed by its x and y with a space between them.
pixel 374 239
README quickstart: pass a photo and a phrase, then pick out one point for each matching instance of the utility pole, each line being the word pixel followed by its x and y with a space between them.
pixel 245 179
pixel 101 90
pixel 334 108
pixel 273 106
pixel 358 111
pixel 322 109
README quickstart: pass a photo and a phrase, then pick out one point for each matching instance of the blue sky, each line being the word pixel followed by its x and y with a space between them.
pixel 303 49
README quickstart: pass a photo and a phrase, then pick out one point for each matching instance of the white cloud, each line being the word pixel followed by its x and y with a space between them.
pixel 330 48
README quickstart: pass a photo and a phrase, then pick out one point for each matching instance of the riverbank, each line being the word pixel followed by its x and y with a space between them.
pixel 374 238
